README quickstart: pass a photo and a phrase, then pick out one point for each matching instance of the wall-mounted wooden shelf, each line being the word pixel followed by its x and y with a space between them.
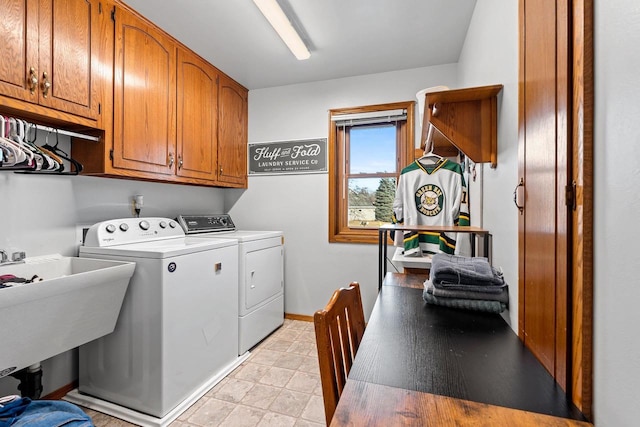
pixel 468 118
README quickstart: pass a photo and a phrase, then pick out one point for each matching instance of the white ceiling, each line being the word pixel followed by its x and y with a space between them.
pixel 345 37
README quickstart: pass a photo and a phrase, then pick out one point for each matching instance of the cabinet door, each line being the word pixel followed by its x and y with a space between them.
pixel 544 151
pixel 144 136
pixel 197 117
pixel 67 77
pixel 19 49
pixel 49 54
pixel 232 133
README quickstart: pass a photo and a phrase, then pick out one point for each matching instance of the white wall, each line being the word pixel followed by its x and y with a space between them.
pixel 617 204
pixel 313 267
pixel 39 216
pixel 490 56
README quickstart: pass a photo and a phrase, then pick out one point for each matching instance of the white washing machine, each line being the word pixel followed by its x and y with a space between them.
pixel 260 275
pixel 177 332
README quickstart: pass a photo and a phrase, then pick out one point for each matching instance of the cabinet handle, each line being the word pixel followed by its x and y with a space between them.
pixel 46 85
pixel 220 170
pixel 171 160
pixel 33 80
pixel 516 196
pixel 179 162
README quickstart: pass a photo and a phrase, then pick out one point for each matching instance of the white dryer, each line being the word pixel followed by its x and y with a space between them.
pixel 177 332
pixel 260 275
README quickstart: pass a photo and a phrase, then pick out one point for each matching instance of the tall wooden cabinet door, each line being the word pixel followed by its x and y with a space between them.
pixel 19 49
pixel 68 71
pixel 232 133
pixel 144 136
pixel 197 117
pixel 544 147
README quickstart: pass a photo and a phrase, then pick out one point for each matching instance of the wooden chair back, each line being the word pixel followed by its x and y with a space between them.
pixel 339 329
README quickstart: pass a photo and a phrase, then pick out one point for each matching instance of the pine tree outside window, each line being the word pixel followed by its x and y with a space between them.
pixel 368 147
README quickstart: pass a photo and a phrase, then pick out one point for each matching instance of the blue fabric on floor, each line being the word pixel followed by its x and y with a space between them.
pixel 11 410
pixel 43 413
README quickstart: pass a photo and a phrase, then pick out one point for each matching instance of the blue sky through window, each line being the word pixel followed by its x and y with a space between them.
pixel 373 149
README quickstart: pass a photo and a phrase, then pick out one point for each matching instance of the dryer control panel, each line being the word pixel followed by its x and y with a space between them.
pixel 131 230
pixel 194 224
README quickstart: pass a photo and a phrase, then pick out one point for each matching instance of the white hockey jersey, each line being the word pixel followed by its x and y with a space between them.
pixel 430 195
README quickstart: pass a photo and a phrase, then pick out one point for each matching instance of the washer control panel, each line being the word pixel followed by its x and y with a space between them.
pixel 193 224
pixel 131 230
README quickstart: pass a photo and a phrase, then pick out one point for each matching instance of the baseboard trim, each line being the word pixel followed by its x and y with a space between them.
pixel 61 392
pixel 301 317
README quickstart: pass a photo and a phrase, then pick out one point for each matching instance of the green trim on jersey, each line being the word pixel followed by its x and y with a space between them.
pixel 435 240
pixel 441 164
pixel 463 219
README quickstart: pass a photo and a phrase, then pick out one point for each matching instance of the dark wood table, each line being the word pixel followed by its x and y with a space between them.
pixel 420 353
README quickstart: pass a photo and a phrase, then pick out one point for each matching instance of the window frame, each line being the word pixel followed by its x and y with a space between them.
pixel 339 231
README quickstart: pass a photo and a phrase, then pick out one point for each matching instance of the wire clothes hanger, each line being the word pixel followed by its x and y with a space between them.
pixel 55 152
pixel 17 155
pixel 77 167
pixel 429 146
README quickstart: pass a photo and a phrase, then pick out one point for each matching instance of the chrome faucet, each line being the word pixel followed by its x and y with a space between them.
pixel 16 257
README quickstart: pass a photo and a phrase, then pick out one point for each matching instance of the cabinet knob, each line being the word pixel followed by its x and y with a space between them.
pixel 46 85
pixel 171 160
pixel 180 162
pixel 33 80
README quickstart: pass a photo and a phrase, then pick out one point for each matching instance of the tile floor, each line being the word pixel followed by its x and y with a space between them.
pixel 278 385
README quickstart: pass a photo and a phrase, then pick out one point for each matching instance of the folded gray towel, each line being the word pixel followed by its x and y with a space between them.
pixel 492 289
pixel 470 292
pixel 464 270
pixel 465 304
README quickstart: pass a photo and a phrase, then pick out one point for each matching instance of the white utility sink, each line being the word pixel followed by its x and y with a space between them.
pixel 78 301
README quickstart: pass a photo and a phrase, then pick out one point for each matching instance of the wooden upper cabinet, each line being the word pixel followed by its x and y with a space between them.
pixel 197 117
pixel 232 133
pixel 144 96
pixel 19 49
pixel 50 57
pixel 171 117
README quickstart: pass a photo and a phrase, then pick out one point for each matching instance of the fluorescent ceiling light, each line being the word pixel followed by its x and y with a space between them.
pixel 279 21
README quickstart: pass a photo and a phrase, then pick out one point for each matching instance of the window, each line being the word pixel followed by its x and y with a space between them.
pixel 368 147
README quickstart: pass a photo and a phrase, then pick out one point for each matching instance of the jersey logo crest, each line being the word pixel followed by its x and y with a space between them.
pixel 429 200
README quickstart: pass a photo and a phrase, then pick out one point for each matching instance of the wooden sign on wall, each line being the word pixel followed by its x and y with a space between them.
pixel 288 157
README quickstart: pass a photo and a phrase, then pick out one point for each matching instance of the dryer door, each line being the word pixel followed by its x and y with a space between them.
pixel 263 277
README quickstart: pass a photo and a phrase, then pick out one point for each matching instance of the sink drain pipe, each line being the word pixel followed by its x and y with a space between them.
pixel 30 381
